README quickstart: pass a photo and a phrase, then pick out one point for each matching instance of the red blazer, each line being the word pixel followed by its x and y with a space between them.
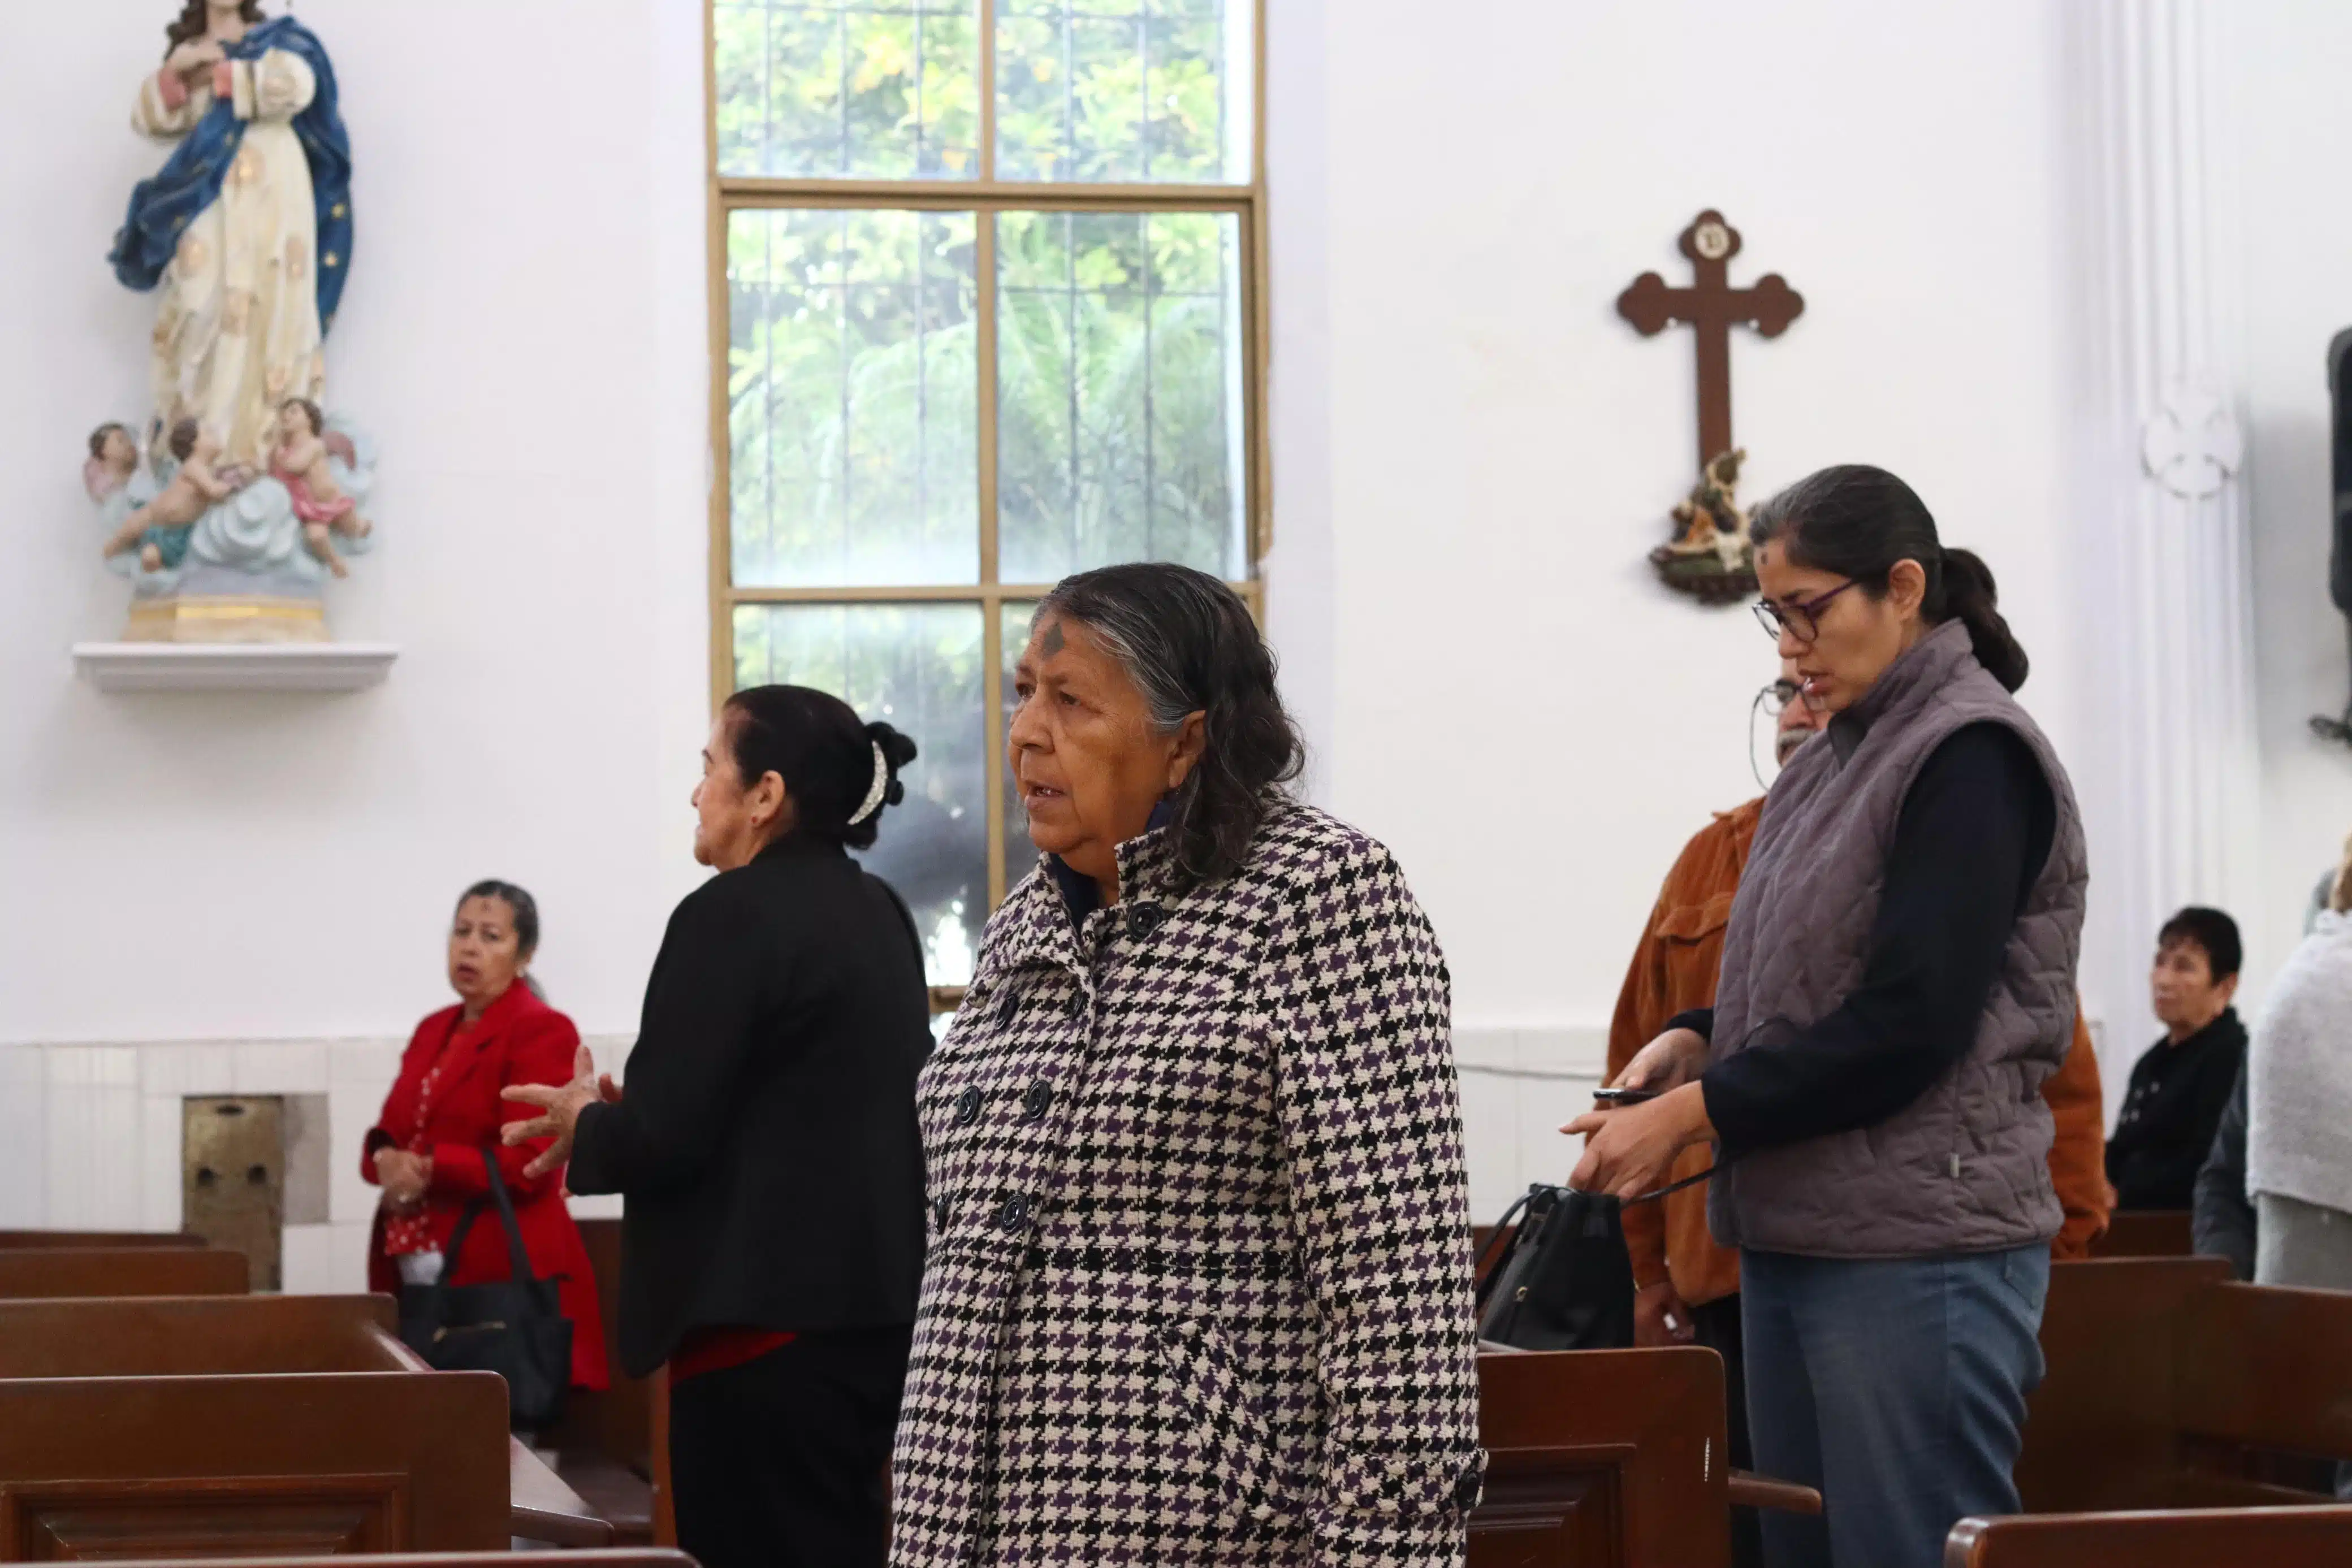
pixel 521 1039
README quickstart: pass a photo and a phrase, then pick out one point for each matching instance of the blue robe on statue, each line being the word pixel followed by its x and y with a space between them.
pixel 162 207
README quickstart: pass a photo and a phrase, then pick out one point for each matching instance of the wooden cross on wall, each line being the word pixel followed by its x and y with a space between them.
pixel 1710 306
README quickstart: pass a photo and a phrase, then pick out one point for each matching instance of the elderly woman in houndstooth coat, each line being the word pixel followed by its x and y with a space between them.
pixel 1199 1280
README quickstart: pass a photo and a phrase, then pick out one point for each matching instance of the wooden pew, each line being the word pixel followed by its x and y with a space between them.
pixel 604 1442
pixel 53 1240
pixel 2262 1388
pixel 2101 1424
pixel 1599 1457
pixel 34 1274
pixel 2171 1388
pixel 631 1558
pixel 664 1495
pixel 179 1336
pixel 117 1466
pixel 255 1423
pixel 2226 1538
pixel 2146 1233
pixel 1602 1457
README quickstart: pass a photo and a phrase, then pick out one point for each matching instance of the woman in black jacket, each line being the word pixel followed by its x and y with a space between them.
pixel 772 1237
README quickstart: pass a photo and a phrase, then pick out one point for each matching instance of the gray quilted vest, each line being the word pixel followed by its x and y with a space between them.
pixel 1965 1167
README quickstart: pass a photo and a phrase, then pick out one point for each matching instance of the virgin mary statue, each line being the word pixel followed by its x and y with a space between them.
pixel 247 228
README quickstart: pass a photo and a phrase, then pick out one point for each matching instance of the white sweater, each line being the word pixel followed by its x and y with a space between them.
pixel 2299 1085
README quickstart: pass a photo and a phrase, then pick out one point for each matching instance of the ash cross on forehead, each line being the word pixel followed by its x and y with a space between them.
pixel 1711 308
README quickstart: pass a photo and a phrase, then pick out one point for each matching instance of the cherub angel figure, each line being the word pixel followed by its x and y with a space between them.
pixel 301 461
pixel 113 459
pixel 159 530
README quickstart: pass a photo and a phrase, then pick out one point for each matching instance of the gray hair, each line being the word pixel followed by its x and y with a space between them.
pixel 1189 643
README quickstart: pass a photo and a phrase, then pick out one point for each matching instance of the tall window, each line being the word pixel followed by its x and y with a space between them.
pixel 987 303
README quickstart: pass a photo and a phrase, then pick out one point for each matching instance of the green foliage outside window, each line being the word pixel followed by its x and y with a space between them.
pixel 855 396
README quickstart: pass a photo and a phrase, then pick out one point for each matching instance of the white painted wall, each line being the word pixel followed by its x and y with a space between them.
pixel 524 332
pixel 1488 451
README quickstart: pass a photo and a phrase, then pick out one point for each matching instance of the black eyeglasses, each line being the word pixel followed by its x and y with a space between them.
pixel 1801 620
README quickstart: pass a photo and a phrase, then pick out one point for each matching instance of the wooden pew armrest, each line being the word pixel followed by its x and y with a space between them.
pixel 541 1508
pixel 1750 1490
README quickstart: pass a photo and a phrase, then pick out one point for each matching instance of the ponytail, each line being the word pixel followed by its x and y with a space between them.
pixel 839 772
pixel 1861 522
pixel 1969 595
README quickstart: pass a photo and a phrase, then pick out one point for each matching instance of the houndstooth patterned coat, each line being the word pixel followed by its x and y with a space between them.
pixel 1199 1281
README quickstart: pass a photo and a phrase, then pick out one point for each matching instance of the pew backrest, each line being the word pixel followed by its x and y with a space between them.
pixel 36 1273
pixel 2146 1233
pixel 53 1240
pixel 2267 1366
pixel 2100 1430
pixel 618 1423
pixel 301 1464
pixel 2223 1538
pixel 282 1338
pixel 1602 1457
pixel 634 1557
pixel 164 1336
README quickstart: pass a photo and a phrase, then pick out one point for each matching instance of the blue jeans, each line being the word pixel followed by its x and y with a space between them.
pixel 1895 1385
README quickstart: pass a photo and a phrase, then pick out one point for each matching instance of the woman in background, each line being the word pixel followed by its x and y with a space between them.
pixel 772 1237
pixel 441 1124
pixel 2299 1108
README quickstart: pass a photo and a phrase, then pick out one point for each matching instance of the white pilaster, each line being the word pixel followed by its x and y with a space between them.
pixel 2168 779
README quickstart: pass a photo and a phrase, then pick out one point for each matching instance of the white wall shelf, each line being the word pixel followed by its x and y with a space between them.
pixel 233 666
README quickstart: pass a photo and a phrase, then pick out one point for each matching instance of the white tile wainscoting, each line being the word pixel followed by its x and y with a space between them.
pixel 89 1135
pixel 1517 1086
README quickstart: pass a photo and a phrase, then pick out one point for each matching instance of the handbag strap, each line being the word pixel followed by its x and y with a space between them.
pixel 1675 1186
pixel 1495 1239
pixel 518 1256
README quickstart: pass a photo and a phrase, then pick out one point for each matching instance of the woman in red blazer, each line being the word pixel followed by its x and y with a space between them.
pixel 425 1150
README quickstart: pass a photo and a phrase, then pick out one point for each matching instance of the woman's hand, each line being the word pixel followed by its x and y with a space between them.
pixel 1669 1062
pixel 192 60
pixel 402 1175
pixel 562 1103
pixel 1628 1152
pixel 1660 1318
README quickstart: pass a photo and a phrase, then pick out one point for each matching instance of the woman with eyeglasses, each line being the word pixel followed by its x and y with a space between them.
pixel 1897 984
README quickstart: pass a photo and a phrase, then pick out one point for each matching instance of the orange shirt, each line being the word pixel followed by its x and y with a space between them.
pixel 1676 967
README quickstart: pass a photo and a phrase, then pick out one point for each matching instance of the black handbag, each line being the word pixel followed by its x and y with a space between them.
pixel 1566 1283
pixel 514 1327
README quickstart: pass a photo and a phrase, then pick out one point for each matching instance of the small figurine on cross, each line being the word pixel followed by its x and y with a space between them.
pixel 1711 562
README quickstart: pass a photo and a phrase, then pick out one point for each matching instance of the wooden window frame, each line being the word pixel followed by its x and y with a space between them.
pixel 985 196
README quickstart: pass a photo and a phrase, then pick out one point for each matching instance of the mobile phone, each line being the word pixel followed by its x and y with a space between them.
pixel 1623 1097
